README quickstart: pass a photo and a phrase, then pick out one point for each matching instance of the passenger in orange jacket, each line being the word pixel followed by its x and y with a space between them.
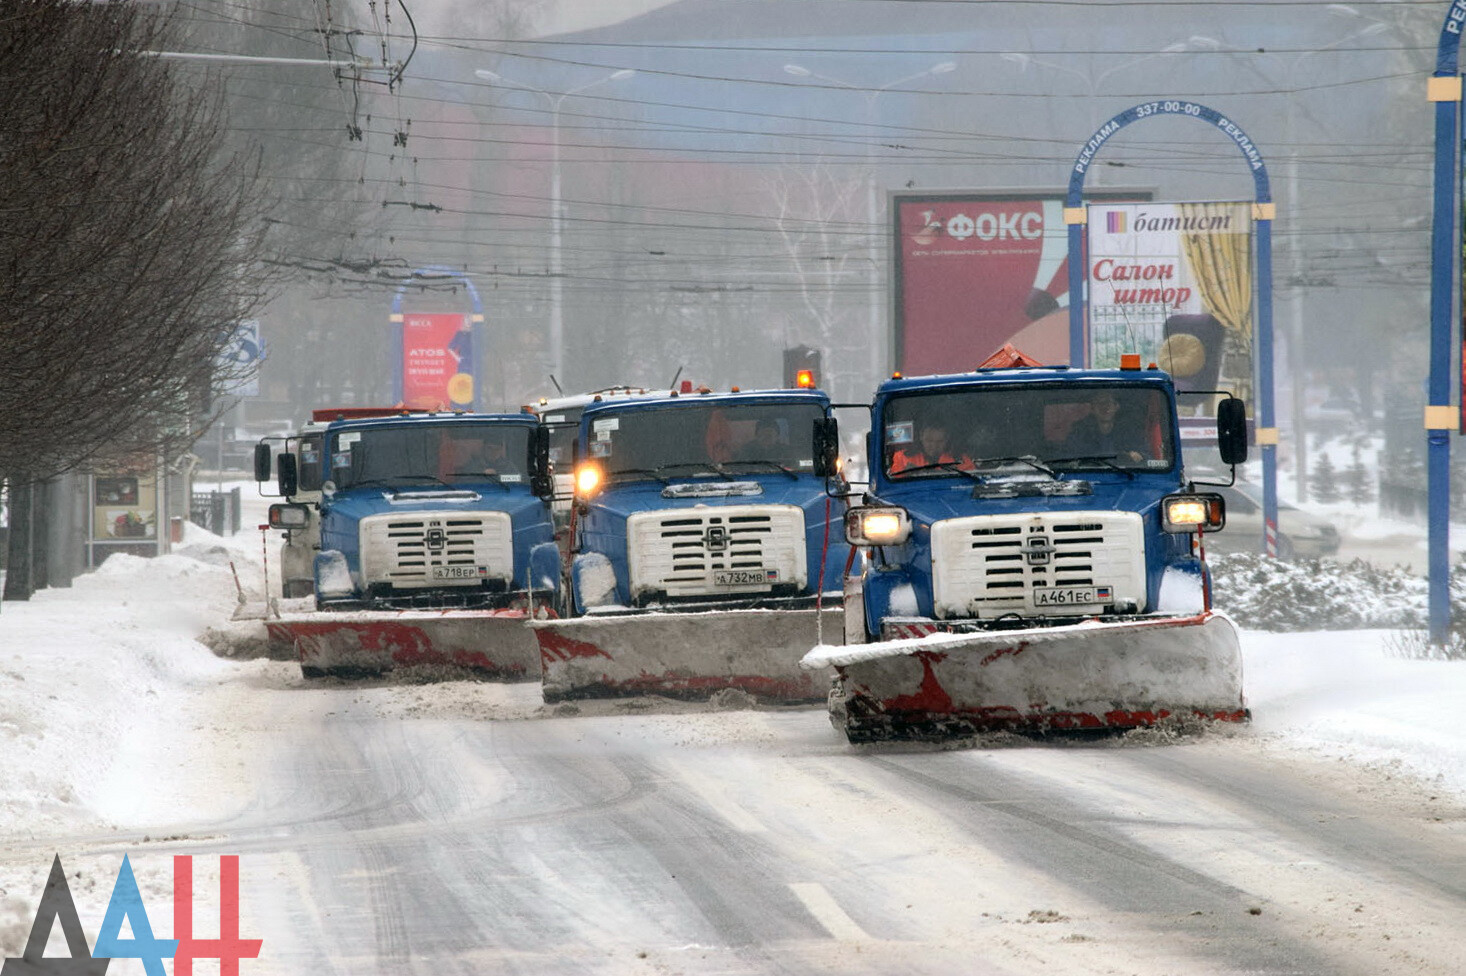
pixel 933 447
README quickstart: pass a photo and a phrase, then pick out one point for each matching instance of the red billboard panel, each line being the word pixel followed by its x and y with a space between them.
pixel 437 361
pixel 974 271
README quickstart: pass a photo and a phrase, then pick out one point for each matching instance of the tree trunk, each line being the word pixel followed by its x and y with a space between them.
pixel 18 585
pixel 40 533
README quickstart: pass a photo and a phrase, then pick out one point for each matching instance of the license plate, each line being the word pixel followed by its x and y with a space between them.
pixel 458 572
pixel 1070 596
pixel 741 577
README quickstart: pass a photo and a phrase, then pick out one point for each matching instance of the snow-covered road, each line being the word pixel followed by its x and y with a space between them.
pixel 459 827
pixel 392 830
pixel 757 843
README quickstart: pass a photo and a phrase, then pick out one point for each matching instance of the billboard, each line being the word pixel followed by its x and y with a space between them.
pixel 1174 282
pixel 437 361
pixel 976 270
pixel 239 360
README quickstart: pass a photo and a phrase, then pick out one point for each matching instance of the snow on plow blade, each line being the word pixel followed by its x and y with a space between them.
pixel 495 643
pixel 1090 675
pixel 683 655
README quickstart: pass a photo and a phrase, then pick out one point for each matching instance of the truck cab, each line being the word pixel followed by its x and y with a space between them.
pixel 297 517
pixel 561 416
pixel 705 500
pixel 1010 498
pixel 424 511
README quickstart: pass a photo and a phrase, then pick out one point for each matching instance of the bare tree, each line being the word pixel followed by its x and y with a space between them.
pixel 127 243
pixel 814 210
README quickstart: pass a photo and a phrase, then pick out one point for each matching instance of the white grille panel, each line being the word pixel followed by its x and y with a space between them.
pixel 678 551
pixel 990 565
pixel 405 549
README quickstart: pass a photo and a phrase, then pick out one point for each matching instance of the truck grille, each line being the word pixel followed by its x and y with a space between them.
pixel 437 549
pixel 680 552
pixel 992 565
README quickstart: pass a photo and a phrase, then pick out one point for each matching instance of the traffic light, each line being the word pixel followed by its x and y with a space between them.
pixel 801 368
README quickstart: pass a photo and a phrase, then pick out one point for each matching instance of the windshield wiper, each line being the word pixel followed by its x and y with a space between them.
pixel 773 464
pixel 654 472
pixel 1108 460
pixel 493 476
pixel 712 466
pixel 388 482
pixel 1028 459
pixel 945 466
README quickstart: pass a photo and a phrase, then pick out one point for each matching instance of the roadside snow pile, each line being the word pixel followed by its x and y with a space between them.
pixel 1321 594
pixel 1350 697
pixel 96 672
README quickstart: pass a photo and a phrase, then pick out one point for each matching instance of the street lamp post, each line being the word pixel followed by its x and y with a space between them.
pixel 557 267
pixel 872 210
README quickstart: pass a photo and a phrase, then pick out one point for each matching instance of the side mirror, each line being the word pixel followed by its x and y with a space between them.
pixel 263 457
pixel 1232 430
pixel 540 480
pixel 287 474
pixel 826 447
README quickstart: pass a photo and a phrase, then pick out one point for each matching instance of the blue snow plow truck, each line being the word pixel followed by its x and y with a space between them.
pixel 1033 560
pixel 706 553
pixel 436 542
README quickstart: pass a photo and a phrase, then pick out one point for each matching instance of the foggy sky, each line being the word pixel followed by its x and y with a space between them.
pixel 548 16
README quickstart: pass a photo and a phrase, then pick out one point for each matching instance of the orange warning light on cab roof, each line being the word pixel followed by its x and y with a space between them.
pixel 804 379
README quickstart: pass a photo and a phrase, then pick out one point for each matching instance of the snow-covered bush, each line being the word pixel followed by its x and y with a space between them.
pixel 1315 594
pixel 1323 594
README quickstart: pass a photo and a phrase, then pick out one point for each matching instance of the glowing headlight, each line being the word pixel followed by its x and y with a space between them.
pixel 587 480
pixel 1193 513
pixel 1186 511
pixel 877 526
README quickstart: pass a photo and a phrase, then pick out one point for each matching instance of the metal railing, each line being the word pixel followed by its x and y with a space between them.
pixel 216 511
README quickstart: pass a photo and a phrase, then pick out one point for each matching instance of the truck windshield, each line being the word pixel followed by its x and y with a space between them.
pixel 310 466
pixel 945 434
pixel 564 424
pixel 704 439
pixel 425 454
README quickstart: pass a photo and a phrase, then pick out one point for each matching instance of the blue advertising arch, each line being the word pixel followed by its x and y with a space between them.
pixel 433 273
pixel 1263 209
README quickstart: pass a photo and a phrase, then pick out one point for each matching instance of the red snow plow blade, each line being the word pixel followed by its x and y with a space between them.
pixel 1089 675
pixel 495 643
pixel 683 655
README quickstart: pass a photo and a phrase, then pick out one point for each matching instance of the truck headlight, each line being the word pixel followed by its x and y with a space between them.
pixel 1193 512
pixel 587 480
pixel 289 516
pixel 871 526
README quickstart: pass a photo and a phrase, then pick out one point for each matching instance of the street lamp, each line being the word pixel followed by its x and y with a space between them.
pixel 557 311
pixel 877 345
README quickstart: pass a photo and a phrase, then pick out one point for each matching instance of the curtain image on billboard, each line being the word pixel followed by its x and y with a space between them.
pixel 1173 283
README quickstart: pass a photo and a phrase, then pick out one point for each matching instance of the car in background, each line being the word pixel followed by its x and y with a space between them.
pixel 1300 533
pixel 1344 408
